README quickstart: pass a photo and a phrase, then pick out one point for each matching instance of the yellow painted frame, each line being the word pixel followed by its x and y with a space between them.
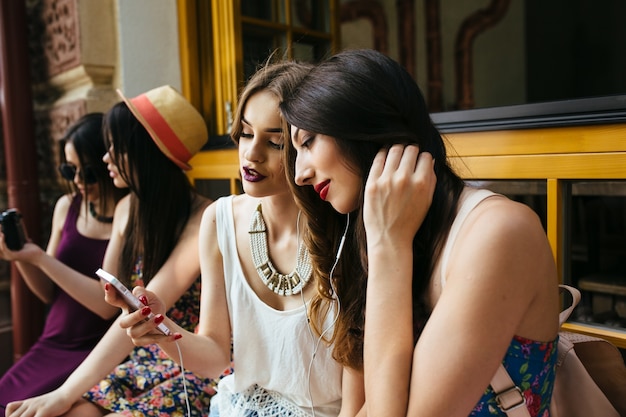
pixel 211 55
pixel 216 165
pixel 552 154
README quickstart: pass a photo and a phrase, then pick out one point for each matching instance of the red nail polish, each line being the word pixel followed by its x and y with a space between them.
pixel 146 311
pixel 159 318
pixel 107 286
pixel 177 336
pixel 143 300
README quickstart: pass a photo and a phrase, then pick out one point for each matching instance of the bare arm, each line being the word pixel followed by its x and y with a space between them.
pixel 38 282
pixel 397 196
pixel 39 268
pixel 352 393
pixel 214 328
pixel 501 282
pixel 87 291
pixel 173 279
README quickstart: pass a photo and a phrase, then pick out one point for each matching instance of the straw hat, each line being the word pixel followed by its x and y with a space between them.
pixel 174 124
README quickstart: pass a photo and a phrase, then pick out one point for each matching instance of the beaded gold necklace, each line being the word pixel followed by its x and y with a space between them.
pixel 289 284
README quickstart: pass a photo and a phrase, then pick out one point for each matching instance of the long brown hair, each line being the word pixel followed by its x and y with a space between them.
pixel 366 101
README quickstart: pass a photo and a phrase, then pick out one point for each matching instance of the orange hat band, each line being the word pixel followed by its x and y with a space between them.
pixel 168 137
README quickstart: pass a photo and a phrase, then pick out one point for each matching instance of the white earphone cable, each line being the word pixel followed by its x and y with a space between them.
pixel 332 324
pixel 182 375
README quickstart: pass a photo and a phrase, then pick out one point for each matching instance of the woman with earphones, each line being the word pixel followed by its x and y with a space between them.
pixel 63 276
pixel 154 243
pixel 441 284
pixel 248 245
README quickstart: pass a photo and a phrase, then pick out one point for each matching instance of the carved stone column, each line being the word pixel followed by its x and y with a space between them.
pixel 78 60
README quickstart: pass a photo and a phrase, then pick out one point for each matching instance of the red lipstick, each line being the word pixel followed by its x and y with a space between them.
pixel 322 189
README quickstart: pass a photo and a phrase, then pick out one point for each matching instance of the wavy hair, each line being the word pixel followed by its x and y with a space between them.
pixel 366 101
pixel 280 78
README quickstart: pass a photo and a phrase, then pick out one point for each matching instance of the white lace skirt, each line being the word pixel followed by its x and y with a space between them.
pixel 254 402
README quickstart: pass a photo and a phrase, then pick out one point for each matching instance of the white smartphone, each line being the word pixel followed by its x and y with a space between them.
pixel 132 301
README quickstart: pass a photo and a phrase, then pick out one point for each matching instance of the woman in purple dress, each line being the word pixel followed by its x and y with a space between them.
pixel 63 276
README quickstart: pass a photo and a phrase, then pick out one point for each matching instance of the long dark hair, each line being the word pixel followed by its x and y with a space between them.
pixel 88 141
pixel 161 197
pixel 366 101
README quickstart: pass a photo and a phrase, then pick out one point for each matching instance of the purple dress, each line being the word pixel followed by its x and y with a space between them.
pixel 70 331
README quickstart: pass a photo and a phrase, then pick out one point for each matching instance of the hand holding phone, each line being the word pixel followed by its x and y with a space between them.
pixel 132 301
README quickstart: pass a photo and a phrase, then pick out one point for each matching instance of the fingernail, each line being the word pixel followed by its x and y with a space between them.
pixel 158 318
pixel 146 311
pixel 177 336
pixel 107 286
pixel 143 299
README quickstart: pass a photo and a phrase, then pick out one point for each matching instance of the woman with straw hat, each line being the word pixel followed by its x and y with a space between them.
pixel 151 139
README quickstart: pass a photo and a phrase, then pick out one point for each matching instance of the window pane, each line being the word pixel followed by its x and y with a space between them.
pixel 311 50
pixel 258 46
pixel 311 14
pixel 270 10
pixel 597 253
pixel 215 188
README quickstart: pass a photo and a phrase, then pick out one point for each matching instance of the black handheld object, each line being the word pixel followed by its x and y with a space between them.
pixel 132 301
pixel 13 229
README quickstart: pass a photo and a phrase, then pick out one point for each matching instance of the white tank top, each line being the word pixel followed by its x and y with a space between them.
pixel 272 348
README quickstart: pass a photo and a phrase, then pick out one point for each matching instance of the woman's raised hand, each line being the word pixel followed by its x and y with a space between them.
pixel 398 194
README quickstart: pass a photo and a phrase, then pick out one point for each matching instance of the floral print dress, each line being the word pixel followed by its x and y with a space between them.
pixel 532 366
pixel 149 382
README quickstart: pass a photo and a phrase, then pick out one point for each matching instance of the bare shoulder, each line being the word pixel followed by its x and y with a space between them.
pixel 501 236
pixel 208 235
pixel 209 215
pixel 241 206
pixel 505 215
pixel 507 236
pixel 123 205
pixel 120 218
pixel 61 208
pixel 63 204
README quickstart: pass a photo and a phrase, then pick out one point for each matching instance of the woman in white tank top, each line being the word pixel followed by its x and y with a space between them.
pixel 257 283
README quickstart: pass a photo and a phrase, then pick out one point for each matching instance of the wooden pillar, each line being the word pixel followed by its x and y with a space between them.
pixel 16 107
pixel 472 26
pixel 434 58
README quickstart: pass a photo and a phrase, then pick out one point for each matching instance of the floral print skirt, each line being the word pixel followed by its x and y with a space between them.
pixel 151 384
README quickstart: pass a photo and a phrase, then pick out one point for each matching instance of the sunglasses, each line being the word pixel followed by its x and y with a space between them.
pixel 87 175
